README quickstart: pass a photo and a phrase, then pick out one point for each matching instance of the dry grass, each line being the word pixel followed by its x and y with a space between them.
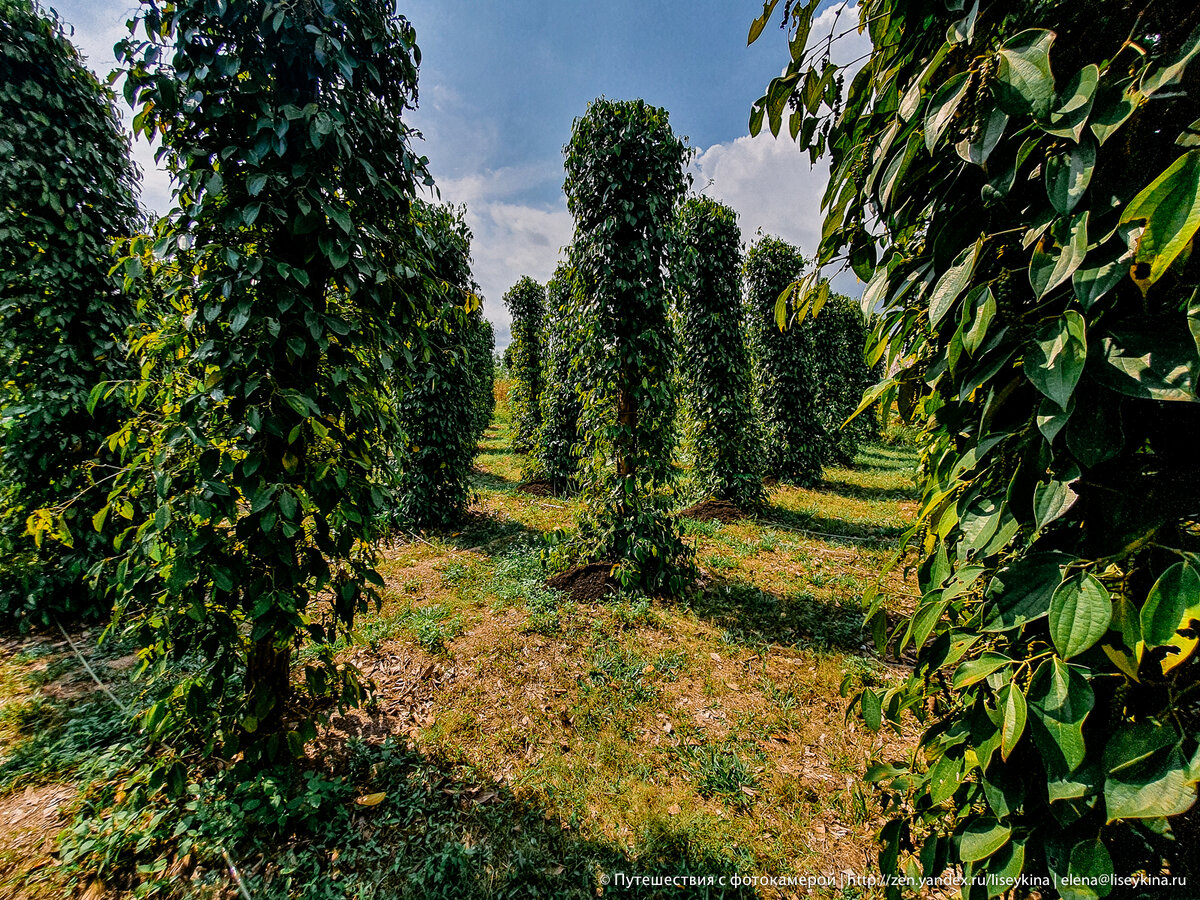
pixel 709 730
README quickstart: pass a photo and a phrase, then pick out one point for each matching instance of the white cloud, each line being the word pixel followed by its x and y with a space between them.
pixel 511 238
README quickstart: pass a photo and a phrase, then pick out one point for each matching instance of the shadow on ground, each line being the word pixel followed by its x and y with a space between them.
pixel 834 531
pixel 750 616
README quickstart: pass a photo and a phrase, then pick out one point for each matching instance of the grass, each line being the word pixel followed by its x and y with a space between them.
pixel 526 744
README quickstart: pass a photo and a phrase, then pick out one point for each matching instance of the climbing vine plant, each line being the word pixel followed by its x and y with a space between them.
pixel 1020 183
pixel 526 302
pixel 440 410
pixel 259 441
pixel 558 442
pixel 839 341
pixel 784 371
pixel 714 363
pixel 66 195
pixel 625 177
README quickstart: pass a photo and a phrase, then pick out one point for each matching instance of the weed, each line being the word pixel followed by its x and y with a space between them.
pixel 718 769
pixel 718 561
pixel 697 528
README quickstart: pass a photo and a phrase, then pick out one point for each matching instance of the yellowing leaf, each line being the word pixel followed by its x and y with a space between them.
pixel 371 799
pixel 1170 207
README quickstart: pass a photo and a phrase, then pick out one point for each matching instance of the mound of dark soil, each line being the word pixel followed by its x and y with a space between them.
pixel 721 510
pixel 587 582
pixel 538 487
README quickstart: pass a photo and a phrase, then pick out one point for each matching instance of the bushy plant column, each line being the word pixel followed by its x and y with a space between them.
pixel 624 179
pixel 715 366
pixel 558 442
pixel 526 302
pixel 282 124
pixel 66 194
pixel 1033 176
pixel 785 372
pixel 480 347
pixel 439 412
pixel 839 340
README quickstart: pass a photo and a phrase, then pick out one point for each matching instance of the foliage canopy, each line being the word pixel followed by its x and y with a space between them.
pixel 66 194
pixel 1019 182
pixel 625 177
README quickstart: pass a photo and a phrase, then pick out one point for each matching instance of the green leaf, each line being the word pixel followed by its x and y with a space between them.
pixel 341 215
pixel 1024 84
pixel 1051 418
pixel 978 150
pixel 1166 75
pixel 1170 207
pixel 255 183
pixel 981 838
pixel 1014 710
pixel 1075 101
pixel 1157 786
pixel 944 778
pixel 1177 589
pixel 1155 359
pixel 942 106
pixel 983 302
pixel 1058 254
pixel 1060 699
pixel 953 282
pixel 1101 271
pixel 1091 870
pixel 1080 612
pixel 757 26
pixel 1055 360
pixel 1021 592
pixel 1114 104
pixel 1068 175
pixel 975 670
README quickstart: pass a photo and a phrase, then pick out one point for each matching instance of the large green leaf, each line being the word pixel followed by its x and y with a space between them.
pixel 1170 207
pixel 1101 271
pixel 1159 783
pixel 1068 175
pixel 1091 870
pixel 942 106
pixel 1115 103
pixel 976 149
pixel 1069 115
pixel 1051 499
pixel 1055 360
pixel 1058 254
pixel 975 670
pixel 1154 358
pixel 1171 72
pixel 1060 699
pixel 1079 614
pixel 1024 84
pixel 981 838
pixel 1021 592
pixel 952 283
pixel 1177 589
pixel 1014 710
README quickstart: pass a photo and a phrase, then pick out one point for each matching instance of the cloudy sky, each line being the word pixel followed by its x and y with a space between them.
pixel 501 83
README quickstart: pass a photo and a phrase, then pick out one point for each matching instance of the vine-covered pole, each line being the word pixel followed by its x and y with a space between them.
pixel 714 363
pixel 625 177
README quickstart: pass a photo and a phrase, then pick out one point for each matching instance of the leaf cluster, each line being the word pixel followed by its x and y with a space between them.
pixel 714 364
pixel 66 194
pixel 526 302
pixel 785 383
pixel 1019 185
pixel 625 177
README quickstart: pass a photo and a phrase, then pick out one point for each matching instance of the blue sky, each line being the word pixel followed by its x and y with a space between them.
pixel 501 83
